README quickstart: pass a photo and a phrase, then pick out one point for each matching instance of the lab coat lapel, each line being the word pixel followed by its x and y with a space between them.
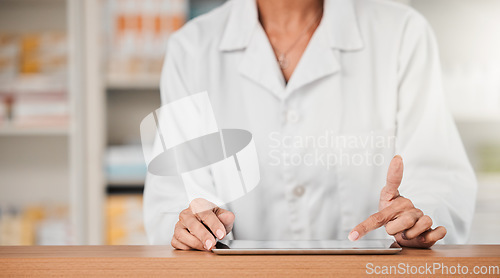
pixel 259 64
pixel 338 32
pixel 318 61
pixel 244 33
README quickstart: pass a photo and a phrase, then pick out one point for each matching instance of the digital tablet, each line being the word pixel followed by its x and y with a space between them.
pixel 313 247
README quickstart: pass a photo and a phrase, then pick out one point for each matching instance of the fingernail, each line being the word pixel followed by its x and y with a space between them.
pixel 220 234
pixel 353 236
pixel 208 244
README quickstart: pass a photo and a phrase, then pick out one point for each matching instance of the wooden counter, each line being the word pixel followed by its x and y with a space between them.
pixel 162 261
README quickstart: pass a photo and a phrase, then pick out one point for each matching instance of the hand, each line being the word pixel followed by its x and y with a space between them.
pixel 199 223
pixel 406 223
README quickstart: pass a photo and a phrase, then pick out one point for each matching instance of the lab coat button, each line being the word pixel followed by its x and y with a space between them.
pixel 292 117
pixel 299 191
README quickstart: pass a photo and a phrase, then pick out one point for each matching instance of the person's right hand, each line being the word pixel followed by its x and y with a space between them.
pixel 199 223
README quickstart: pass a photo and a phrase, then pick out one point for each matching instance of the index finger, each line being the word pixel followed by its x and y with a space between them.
pixel 394 177
pixel 373 222
pixel 196 228
pixel 210 219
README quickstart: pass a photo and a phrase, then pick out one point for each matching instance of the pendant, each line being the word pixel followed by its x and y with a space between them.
pixel 283 61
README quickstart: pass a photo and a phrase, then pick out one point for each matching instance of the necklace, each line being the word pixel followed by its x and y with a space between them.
pixel 282 59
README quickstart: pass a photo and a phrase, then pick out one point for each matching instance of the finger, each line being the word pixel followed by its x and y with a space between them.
pixel 432 236
pixel 394 177
pixel 210 219
pixel 196 228
pixel 423 224
pixel 373 222
pixel 381 218
pixel 199 205
pixel 226 217
pixel 183 236
pixel 404 221
pixel 179 245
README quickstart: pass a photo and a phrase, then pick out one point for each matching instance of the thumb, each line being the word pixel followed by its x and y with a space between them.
pixel 227 219
pixel 394 177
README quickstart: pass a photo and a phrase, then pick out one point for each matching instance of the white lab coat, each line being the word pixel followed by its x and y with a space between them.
pixel 371 70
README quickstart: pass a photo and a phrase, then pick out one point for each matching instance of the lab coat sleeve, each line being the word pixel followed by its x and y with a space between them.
pixel 165 197
pixel 438 177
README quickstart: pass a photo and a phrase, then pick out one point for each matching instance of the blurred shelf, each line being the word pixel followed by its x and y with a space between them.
pixel 125 182
pixel 135 82
pixel 125 186
pixel 35 83
pixel 33 131
pixel 33 1
pixel 125 189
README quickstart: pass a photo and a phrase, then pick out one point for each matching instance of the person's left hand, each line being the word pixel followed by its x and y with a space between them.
pixel 401 219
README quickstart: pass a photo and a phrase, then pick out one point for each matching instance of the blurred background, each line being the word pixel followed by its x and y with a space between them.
pixel 77 77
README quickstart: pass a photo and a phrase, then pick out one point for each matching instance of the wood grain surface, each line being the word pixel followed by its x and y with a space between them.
pixel 151 261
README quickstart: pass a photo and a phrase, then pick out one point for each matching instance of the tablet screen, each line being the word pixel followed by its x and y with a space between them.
pixel 308 244
pixel 308 247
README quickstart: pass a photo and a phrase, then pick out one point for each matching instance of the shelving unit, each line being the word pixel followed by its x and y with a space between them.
pixel 43 165
pixel 61 165
pixel 17 131
pixel 141 82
